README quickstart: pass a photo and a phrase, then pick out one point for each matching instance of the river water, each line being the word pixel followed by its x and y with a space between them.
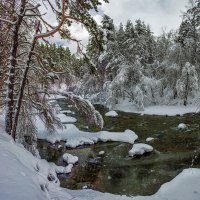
pixel 115 172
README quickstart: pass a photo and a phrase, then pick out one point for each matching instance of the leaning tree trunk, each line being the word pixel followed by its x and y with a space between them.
pixel 22 88
pixel 11 74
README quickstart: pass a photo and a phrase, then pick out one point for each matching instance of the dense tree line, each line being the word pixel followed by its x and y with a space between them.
pixel 141 68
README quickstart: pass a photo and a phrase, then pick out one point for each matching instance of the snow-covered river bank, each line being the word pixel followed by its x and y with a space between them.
pixel 115 171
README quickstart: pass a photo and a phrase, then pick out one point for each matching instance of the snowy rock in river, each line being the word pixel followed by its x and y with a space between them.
pixel 149 139
pixel 182 126
pixel 140 149
pixel 70 159
pixel 101 153
pixel 111 114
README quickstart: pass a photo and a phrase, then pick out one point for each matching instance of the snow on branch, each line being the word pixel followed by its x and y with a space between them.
pixel 83 106
pixel 8 21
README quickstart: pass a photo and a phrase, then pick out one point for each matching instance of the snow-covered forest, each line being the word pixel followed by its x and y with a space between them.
pixel 118 119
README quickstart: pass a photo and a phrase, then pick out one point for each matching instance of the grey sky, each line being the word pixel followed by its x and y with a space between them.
pixel 157 13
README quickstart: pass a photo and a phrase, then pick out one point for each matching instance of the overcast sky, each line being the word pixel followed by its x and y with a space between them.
pixel 157 13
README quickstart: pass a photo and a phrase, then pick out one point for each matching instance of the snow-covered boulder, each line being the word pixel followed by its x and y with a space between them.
pixel 149 139
pixel 64 170
pixel 70 159
pixel 111 114
pixel 140 149
pixel 182 126
pixel 127 136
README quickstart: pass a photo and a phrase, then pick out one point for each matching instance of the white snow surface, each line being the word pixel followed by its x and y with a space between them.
pixel 140 149
pixel 70 159
pixel 24 176
pixel 111 113
pixel 75 137
pixel 66 119
pixel 158 110
pixel 182 126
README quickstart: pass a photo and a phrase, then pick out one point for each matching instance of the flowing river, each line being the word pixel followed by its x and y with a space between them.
pixel 115 172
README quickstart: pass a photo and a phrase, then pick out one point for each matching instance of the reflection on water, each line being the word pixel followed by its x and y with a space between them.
pixel 115 172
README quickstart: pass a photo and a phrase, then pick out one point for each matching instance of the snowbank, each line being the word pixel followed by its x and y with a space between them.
pixel 111 114
pixel 75 137
pixel 158 110
pixel 24 176
pixel 140 149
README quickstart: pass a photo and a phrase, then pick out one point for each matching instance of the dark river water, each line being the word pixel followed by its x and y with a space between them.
pixel 115 172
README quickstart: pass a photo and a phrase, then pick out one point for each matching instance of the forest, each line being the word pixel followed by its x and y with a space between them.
pixel 117 119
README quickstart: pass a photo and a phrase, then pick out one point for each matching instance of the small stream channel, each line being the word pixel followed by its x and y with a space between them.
pixel 117 173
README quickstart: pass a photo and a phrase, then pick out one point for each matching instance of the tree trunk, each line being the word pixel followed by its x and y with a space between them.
pixel 22 87
pixel 12 67
pixel 186 90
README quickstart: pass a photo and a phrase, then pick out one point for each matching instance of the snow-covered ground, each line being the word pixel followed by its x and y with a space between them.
pixel 23 176
pixel 158 110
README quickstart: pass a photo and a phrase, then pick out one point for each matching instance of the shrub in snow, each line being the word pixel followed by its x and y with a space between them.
pixel 70 159
pixel 111 114
pixel 182 126
pixel 140 149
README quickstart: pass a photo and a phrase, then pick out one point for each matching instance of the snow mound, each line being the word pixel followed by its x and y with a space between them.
pixel 70 159
pixel 66 119
pixel 140 149
pixel 182 126
pixel 111 114
pixel 158 110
